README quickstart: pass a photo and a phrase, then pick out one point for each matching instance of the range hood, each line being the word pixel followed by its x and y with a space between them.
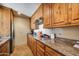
pixel 39 21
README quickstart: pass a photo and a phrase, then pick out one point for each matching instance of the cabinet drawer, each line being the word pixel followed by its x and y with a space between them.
pixel 40 49
pixel 40 44
pixel 34 52
pixel 51 52
pixel 4 49
pixel 40 52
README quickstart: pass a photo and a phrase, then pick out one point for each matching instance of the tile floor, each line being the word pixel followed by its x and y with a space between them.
pixel 22 50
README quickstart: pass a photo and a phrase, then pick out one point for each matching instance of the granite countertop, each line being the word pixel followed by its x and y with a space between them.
pixel 61 45
pixel 2 41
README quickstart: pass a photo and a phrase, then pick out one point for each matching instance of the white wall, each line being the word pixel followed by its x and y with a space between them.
pixel 44 30
pixel 22 27
pixel 67 32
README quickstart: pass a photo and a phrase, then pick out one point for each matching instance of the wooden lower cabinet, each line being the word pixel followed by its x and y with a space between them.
pixel 51 52
pixel 40 49
pixel 4 49
pixel 31 42
pixel 33 46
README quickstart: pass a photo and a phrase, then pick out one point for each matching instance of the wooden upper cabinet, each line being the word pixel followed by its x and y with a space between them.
pixel 37 15
pixel 47 15
pixel 33 22
pixel 74 9
pixel 6 21
pixel 60 14
pixel 52 15
pixel 0 20
pixel 40 10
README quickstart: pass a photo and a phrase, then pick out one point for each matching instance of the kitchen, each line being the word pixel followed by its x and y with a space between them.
pixel 52 29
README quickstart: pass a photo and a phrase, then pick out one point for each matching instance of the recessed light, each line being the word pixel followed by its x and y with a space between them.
pixel 19 13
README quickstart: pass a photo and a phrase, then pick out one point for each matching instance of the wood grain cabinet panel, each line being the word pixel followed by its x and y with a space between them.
pixel 33 22
pixel 60 14
pixel 40 49
pixel 28 41
pixel 4 21
pixel 0 20
pixel 4 48
pixel 57 15
pixel 50 52
pixel 39 11
pixel 73 10
pixel 36 15
pixel 47 15
pixel 32 44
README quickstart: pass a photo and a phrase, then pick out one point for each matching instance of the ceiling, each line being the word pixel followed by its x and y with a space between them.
pixel 25 8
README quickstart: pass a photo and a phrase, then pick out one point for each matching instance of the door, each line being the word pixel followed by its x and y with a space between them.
pixel 60 14
pixel 75 14
pixel 47 15
pixel 21 29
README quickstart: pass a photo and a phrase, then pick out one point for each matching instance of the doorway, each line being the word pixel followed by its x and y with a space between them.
pixel 22 27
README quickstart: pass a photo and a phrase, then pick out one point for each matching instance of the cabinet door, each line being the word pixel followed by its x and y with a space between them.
pixel 40 12
pixel 75 14
pixel 50 52
pixel 0 21
pixel 40 49
pixel 4 49
pixel 60 14
pixel 33 46
pixel 52 20
pixel 6 21
pixel 33 22
pixel 47 15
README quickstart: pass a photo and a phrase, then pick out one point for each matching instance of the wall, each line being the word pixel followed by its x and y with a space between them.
pixel 22 27
pixel 67 32
pixel 44 30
